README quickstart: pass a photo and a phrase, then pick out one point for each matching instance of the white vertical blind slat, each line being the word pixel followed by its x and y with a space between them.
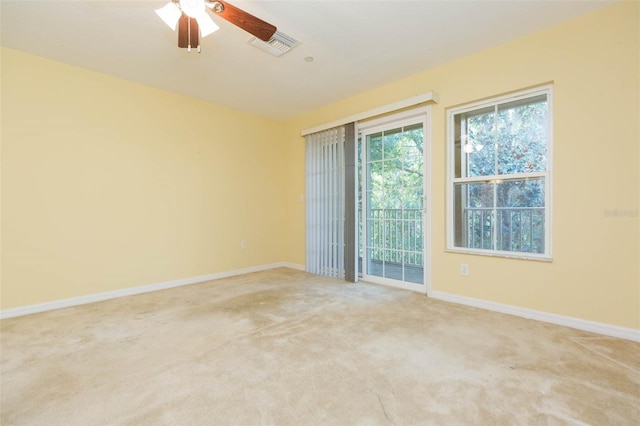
pixel 325 202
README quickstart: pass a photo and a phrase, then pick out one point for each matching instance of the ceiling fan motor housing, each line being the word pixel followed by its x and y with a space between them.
pixel 216 6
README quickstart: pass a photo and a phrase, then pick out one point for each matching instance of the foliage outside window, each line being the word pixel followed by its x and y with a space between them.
pixel 394 193
pixel 500 176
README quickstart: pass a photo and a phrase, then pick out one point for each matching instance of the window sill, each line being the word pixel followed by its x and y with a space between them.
pixel 502 254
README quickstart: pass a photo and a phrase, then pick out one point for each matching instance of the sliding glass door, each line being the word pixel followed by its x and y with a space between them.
pixel 392 214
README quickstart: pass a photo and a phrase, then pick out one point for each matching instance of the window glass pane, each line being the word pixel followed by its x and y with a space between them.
pixel 375 183
pixel 479 195
pixel 392 143
pixel 375 233
pixel 474 215
pixel 518 220
pixel 413 267
pixel 478 143
pixel 375 200
pixel 521 193
pixel 522 136
pixel 411 181
pixel 392 184
pixel 410 231
pixel 520 216
pixel 393 230
pixel 412 141
pixel 374 261
pixel 413 198
pixel 374 147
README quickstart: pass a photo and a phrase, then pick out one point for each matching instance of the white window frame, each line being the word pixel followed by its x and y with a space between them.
pixel 547 175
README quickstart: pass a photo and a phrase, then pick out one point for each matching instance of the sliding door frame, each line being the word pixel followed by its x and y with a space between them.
pixel 412 116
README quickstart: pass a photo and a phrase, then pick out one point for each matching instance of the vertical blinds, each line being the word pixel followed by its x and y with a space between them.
pixel 325 209
pixel 351 204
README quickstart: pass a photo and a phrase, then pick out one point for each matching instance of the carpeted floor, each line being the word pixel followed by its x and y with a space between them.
pixel 286 347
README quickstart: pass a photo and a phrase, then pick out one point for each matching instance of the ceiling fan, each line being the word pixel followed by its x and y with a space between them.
pixel 192 20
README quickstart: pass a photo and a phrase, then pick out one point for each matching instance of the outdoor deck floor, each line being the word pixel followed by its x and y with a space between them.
pixel 412 274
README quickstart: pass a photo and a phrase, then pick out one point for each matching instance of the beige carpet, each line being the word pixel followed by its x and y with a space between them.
pixel 285 347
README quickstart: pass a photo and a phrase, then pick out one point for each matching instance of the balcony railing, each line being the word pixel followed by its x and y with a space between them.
pixel 518 229
pixel 395 236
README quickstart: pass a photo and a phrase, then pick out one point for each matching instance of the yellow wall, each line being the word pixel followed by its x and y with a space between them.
pixel 593 63
pixel 108 184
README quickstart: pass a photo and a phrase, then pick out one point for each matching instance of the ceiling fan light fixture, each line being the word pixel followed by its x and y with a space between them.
pixel 192 8
pixel 170 14
pixel 206 24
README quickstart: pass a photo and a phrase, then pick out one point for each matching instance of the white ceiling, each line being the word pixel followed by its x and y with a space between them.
pixel 357 45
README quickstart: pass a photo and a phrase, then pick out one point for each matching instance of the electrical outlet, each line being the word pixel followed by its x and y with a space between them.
pixel 243 244
pixel 464 269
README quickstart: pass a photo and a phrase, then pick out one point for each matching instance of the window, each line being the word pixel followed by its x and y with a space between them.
pixel 500 176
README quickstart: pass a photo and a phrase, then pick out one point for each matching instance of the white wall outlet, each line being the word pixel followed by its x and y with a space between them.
pixel 243 244
pixel 464 269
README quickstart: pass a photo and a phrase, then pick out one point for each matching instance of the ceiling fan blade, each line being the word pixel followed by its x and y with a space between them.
pixel 187 32
pixel 256 26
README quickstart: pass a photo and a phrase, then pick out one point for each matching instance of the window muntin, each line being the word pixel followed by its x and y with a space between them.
pixel 499 176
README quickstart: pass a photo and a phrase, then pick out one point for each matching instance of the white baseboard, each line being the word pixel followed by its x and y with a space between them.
pixel 580 324
pixel 295 266
pixel 98 297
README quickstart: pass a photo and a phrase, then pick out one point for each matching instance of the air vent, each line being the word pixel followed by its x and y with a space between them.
pixel 278 45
